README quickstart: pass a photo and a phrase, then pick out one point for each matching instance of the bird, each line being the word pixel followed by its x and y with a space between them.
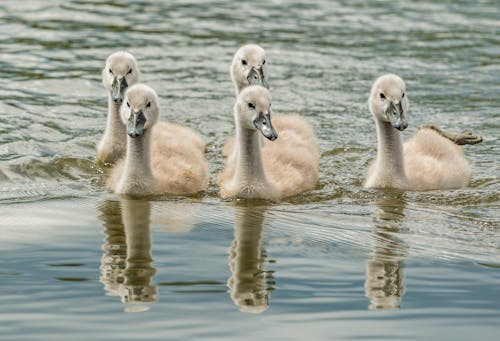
pixel 161 158
pixel 250 67
pixel 429 160
pixel 120 72
pixel 280 169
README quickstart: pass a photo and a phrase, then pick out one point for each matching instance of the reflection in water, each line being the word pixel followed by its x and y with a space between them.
pixel 115 251
pixel 126 266
pixel 249 283
pixel 384 270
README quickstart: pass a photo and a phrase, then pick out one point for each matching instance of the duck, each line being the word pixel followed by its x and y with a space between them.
pixel 429 160
pixel 280 169
pixel 173 164
pixel 120 71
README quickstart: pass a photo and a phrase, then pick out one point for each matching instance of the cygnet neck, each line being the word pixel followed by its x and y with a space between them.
pixel 390 158
pixel 115 129
pixel 249 167
pixel 238 87
pixel 138 158
pixel 239 83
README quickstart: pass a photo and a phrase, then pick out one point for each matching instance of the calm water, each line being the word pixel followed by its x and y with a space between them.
pixel 340 262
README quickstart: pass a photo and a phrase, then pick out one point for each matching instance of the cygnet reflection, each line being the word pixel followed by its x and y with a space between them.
pixel 127 264
pixel 384 284
pixel 115 251
pixel 249 284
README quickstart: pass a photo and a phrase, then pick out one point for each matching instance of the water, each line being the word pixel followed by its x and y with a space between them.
pixel 340 262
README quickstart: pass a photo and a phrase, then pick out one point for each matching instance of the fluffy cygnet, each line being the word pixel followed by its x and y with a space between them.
pixel 250 67
pixel 279 169
pixel 120 72
pixel 427 161
pixel 174 164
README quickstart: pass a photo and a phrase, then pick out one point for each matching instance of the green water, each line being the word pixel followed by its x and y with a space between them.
pixel 340 262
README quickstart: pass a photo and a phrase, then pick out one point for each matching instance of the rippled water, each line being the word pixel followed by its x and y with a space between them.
pixel 340 262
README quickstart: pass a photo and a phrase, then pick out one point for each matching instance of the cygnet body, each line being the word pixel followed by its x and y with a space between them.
pixel 427 161
pixel 279 169
pixel 250 67
pixel 174 164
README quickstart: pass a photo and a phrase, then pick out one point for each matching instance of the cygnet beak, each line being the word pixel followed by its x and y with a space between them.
pixel 118 89
pixel 263 123
pixel 256 77
pixel 136 122
pixel 396 115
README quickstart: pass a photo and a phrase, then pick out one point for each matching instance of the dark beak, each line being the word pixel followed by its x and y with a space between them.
pixel 396 116
pixel 136 122
pixel 263 123
pixel 256 77
pixel 118 89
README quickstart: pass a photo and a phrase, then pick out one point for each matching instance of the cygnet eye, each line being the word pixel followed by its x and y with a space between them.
pixel 148 105
pixel 129 72
pixel 382 96
pixel 263 62
pixel 110 71
pixel 251 106
pixel 403 95
pixel 128 105
pixel 244 62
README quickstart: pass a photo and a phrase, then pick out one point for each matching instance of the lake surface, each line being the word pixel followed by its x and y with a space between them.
pixel 340 262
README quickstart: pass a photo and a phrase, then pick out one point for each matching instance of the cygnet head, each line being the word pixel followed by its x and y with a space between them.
pixel 249 67
pixel 140 109
pixel 388 101
pixel 120 72
pixel 253 111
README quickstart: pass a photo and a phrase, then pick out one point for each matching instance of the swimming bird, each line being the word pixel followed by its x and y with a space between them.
pixel 281 168
pixel 250 67
pixel 427 161
pixel 173 164
pixel 120 72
